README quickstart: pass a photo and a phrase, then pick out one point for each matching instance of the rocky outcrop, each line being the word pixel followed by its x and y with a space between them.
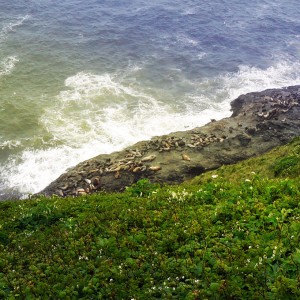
pixel 259 122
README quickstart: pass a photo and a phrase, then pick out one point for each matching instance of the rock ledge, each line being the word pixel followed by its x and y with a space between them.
pixel 259 122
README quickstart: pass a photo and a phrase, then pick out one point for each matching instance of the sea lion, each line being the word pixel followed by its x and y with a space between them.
pixel 185 157
pixel 154 168
pixel 148 158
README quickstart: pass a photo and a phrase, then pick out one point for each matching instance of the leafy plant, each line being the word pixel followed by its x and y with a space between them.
pixel 142 188
pixel 286 165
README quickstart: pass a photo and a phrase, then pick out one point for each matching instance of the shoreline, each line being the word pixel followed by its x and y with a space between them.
pixel 259 122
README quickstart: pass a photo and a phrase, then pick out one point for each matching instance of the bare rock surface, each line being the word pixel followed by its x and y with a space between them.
pixel 259 122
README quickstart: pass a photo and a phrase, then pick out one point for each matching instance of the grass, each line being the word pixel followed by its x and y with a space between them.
pixel 228 234
pixel 280 162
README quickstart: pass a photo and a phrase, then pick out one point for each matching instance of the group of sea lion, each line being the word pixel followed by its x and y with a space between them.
pixel 259 122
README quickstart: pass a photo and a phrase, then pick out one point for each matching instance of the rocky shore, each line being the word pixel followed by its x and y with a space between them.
pixel 259 122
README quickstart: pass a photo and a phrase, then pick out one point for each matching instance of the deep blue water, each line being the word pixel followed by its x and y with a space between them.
pixel 80 78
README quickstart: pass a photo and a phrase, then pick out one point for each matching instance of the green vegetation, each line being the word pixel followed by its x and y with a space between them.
pixel 233 233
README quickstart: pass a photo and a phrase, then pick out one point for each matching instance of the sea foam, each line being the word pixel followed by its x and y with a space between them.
pixel 11 26
pixel 7 65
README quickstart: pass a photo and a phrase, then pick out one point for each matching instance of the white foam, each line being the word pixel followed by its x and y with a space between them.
pixel 249 79
pixel 7 65
pixel 9 144
pixel 226 87
pixel 189 11
pixel 186 40
pixel 91 106
pixel 10 27
pixel 201 55
pixel 100 114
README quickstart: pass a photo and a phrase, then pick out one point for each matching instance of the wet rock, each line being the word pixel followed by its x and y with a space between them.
pixel 244 139
pixel 251 130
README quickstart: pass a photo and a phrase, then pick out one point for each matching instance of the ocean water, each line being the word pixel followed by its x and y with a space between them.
pixel 81 78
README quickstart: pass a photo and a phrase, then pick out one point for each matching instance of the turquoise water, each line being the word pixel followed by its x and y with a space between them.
pixel 80 78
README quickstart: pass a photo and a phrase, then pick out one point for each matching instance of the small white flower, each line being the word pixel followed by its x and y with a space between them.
pixel 214 176
pixel 173 194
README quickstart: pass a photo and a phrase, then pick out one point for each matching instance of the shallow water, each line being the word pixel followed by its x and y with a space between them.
pixel 80 78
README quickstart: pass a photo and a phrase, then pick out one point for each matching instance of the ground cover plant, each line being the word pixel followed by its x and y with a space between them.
pixel 229 234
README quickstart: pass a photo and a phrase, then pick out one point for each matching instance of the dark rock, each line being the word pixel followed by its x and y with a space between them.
pixel 251 130
pixel 244 139
pixel 259 122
